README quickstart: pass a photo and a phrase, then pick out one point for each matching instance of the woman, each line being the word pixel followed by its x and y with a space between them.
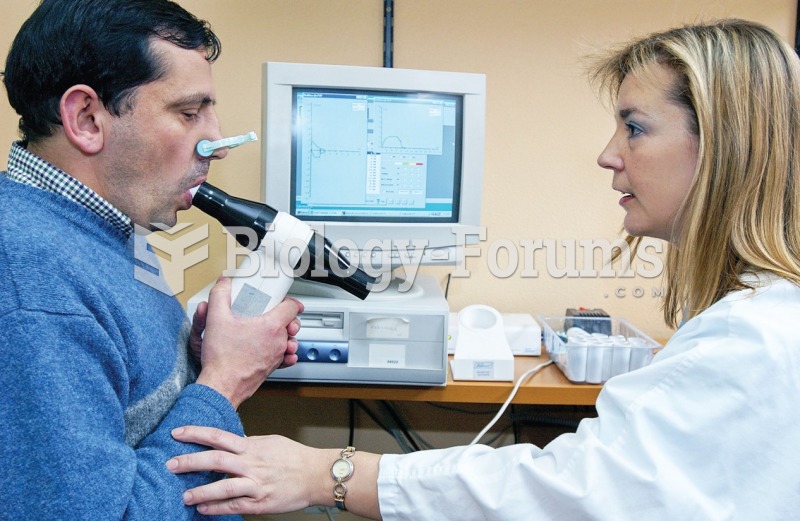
pixel 705 154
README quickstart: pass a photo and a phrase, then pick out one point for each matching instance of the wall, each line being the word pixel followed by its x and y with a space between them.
pixel 545 128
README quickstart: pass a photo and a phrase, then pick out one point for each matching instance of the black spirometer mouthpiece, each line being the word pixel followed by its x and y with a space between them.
pixel 234 212
pixel 354 280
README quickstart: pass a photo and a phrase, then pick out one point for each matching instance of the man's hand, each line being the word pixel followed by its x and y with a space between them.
pixel 238 353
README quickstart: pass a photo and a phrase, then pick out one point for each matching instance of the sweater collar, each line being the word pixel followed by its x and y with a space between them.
pixel 27 168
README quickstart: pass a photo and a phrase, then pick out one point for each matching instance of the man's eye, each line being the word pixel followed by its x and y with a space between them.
pixel 190 116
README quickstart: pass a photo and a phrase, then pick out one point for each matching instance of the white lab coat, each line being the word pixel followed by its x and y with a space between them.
pixel 709 430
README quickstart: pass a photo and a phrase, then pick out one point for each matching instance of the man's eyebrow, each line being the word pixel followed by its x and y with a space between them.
pixel 193 99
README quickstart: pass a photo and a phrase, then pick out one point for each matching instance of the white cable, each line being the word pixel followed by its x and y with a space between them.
pixel 521 379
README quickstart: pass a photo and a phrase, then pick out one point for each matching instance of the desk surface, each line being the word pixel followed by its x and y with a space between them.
pixel 547 387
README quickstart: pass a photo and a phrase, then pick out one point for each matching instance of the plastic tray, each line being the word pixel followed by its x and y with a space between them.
pixel 613 346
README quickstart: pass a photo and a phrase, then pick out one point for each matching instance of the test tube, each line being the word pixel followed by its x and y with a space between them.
pixel 598 351
pixel 641 353
pixel 576 360
pixel 621 358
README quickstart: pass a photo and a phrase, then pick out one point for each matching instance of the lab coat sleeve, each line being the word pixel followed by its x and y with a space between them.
pixel 695 435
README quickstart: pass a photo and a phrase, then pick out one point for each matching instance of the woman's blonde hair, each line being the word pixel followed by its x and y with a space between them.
pixel 740 86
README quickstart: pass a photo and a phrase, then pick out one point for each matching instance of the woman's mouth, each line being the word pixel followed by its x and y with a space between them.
pixel 626 198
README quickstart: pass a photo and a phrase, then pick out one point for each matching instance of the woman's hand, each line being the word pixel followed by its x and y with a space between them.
pixel 271 474
pixel 268 474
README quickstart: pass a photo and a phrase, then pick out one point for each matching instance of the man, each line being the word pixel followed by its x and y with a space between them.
pixel 112 95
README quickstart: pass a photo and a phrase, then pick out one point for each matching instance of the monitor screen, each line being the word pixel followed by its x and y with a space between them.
pixel 383 162
pixel 376 156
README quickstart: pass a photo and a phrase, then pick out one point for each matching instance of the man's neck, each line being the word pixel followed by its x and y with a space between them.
pixel 59 152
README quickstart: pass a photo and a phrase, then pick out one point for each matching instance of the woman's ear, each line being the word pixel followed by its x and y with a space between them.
pixel 84 117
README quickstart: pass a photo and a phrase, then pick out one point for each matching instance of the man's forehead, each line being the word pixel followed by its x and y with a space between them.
pixel 186 75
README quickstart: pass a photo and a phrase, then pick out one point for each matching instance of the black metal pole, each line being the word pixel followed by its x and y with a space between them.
pixel 388 32
pixel 797 29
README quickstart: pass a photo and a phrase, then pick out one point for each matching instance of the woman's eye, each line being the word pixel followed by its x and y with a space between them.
pixel 633 129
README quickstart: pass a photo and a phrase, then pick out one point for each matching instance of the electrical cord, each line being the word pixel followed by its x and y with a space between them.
pixel 460 409
pixel 421 441
pixel 515 424
pixel 372 415
pixel 547 420
pixel 400 424
pixel 351 406
pixel 499 414
pixel 411 441
pixel 417 440
pixel 498 435
pixel 400 435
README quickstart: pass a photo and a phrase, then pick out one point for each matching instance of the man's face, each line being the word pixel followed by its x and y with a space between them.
pixel 151 158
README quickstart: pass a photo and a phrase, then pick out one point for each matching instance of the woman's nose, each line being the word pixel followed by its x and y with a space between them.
pixel 609 158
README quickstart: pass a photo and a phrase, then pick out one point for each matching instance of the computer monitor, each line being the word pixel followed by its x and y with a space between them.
pixel 384 162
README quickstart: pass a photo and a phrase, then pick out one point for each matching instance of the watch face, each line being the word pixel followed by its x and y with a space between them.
pixel 342 469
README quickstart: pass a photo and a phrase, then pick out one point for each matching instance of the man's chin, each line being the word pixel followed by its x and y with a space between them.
pixel 154 227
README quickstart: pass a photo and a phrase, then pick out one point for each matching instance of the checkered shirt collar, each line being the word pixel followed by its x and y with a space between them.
pixel 28 168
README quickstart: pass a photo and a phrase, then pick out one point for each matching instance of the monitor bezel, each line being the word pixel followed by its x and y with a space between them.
pixel 279 80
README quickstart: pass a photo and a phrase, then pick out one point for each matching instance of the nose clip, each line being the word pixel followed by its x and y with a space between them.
pixel 205 147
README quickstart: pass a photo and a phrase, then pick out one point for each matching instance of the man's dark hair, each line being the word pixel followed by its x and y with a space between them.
pixel 104 44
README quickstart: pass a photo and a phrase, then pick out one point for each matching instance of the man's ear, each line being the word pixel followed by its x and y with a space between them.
pixel 84 118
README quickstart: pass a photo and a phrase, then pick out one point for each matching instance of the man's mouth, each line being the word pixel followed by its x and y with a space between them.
pixel 192 190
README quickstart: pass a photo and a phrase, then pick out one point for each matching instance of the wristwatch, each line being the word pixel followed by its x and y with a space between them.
pixel 341 470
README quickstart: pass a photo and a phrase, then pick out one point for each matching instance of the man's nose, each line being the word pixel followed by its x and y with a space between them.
pixel 220 153
pixel 215 134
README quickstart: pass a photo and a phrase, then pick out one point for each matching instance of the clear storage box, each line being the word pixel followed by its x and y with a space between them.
pixel 595 349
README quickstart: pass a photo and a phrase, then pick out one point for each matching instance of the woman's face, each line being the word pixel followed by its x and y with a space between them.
pixel 653 155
